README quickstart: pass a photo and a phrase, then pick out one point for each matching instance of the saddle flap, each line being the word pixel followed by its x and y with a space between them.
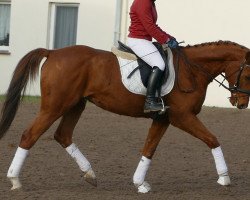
pixel 134 83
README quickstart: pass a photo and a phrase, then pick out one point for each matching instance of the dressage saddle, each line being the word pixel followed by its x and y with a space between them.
pixel 145 69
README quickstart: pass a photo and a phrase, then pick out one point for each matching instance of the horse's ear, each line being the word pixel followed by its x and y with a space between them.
pixel 248 57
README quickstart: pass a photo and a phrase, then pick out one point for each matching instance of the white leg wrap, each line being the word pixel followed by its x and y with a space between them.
pixel 17 162
pixel 220 163
pixel 221 167
pixel 141 171
pixel 75 153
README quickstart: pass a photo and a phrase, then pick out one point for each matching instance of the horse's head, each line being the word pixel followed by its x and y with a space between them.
pixel 241 87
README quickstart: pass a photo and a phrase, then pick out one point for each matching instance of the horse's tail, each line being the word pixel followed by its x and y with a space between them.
pixel 27 69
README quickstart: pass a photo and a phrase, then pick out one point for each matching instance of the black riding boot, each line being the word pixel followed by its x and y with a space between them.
pixel 154 81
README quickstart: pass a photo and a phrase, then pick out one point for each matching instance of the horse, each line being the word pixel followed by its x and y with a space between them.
pixel 71 76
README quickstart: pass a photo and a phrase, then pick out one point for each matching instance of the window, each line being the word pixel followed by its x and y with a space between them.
pixel 4 25
pixel 63 28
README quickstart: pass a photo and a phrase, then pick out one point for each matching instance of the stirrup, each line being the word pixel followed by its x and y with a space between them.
pixel 151 105
pixel 161 109
pixel 164 108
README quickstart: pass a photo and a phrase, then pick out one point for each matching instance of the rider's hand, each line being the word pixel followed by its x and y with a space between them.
pixel 172 43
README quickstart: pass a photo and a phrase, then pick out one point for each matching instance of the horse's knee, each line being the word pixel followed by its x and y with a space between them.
pixel 63 140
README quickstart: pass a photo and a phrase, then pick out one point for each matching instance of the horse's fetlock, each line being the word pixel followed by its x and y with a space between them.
pixel 212 142
pixel 57 138
pixel 65 142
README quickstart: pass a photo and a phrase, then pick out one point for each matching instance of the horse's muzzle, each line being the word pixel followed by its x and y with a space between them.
pixel 240 101
pixel 242 106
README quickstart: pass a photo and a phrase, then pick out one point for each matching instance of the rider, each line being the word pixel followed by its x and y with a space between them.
pixel 142 29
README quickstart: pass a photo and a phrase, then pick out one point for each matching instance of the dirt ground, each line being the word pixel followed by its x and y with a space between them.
pixel 182 168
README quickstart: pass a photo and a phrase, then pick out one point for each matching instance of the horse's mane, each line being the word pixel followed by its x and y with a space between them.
pixel 220 42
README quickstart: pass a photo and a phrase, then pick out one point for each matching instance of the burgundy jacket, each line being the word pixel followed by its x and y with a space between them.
pixel 143 17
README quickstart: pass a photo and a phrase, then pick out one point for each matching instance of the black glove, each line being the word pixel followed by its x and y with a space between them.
pixel 172 43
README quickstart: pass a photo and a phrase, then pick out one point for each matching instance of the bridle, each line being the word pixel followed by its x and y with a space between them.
pixel 234 89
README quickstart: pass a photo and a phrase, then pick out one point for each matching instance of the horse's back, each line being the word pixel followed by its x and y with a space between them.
pixel 77 52
pixel 79 71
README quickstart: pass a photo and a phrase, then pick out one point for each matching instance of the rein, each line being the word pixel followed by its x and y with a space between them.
pixel 234 89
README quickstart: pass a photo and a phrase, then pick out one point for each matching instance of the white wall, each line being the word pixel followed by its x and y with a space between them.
pixel 29 30
pixel 198 21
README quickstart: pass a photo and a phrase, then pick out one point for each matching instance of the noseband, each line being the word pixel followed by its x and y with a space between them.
pixel 236 88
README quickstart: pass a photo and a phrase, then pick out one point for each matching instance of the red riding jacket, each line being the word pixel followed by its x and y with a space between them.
pixel 143 17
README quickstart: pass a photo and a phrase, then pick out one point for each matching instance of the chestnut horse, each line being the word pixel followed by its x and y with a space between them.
pixel 74 75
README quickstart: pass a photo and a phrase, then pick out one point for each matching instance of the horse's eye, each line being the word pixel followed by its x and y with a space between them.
pixel 247 78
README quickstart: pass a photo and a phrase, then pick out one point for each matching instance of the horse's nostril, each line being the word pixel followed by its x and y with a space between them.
pixel 242 106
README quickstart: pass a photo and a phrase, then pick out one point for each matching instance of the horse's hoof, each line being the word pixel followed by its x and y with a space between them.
pixel 224 180
pixel 90 177
pixel 144 188
pixel 16 184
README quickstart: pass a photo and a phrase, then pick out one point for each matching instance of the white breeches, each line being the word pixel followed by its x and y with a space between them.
pixel 147 51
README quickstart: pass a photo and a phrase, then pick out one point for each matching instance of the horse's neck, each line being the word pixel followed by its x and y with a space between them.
pixel 215 58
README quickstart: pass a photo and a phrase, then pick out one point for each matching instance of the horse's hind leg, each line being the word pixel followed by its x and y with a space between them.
pixel 42 122
pixel 63 136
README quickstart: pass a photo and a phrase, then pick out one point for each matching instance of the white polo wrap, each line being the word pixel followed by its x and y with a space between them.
pixel 80 159
pixel 17 162
pixel 141 171
pixel 220 163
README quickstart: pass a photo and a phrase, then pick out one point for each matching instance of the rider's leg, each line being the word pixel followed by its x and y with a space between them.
pixel 150 54
pixel 151 102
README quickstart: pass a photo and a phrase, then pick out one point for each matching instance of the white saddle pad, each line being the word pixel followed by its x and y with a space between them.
pixel 135 85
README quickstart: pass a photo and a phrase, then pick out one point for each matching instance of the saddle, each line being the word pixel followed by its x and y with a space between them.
pixel 143 67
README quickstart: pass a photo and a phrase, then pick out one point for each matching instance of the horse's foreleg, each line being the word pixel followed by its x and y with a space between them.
pixel 63 136
pixel 29 138
pixel 191 124
pixel 155 134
